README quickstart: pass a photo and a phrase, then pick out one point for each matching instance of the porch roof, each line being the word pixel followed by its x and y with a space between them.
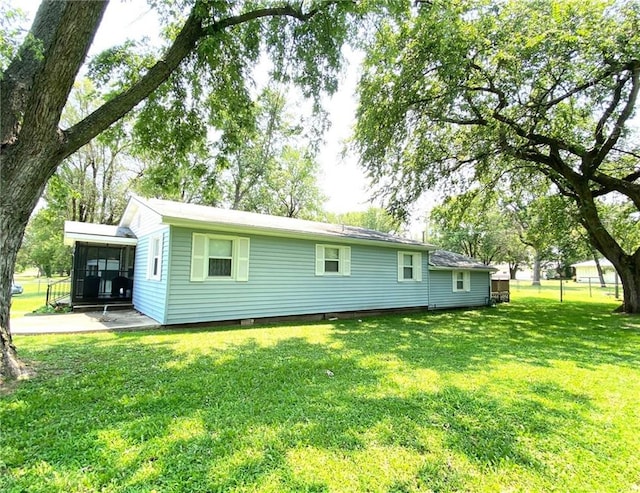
pixel 101 234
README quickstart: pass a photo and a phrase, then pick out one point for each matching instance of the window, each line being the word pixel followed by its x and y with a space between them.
pixel 333 260
pixel 461 280
pixel 409 266
pixel 219 257
pixel 154 266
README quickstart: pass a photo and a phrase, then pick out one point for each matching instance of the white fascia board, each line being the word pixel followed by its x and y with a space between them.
pixel 71 238
pixel 282 233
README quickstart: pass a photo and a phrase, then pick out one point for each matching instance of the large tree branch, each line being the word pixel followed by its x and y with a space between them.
pixel 581 87
pixel 625 114
pixel 498 115
pixel 538 139
pixel 192 31
pixel 116 108
pixel 627 152
pixel 53 82
pixel 615 101
pixel 625 186
pixel 553 167
pixel 17 80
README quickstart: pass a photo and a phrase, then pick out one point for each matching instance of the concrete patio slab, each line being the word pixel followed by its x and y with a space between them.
pixel 68 323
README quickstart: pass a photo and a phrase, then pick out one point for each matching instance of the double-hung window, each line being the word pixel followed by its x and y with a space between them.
pixel 154 265
pixel 333 260
pixel 219 257
pixel 409 266
pixel 461 280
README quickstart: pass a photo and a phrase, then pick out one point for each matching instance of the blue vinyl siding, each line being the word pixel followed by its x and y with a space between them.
pixel 149 296
pixel 441 294
pixel 282 281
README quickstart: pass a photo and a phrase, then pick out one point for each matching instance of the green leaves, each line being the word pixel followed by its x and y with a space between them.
pixel 119 67
pixel 374 218
pixel 468 92
pixel 43 244
pixel 517 74
pixel 11 34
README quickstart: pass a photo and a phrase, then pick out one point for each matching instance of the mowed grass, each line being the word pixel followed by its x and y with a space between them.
pixel 33 297
pixel 534 395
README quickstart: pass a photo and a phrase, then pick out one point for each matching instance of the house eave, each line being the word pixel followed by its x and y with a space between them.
pixel 70 239
pixel 458 267
pixel 285 233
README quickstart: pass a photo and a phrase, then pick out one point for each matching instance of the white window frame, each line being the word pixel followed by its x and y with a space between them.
pixel 200 258
pixel 210 256
pixel 416 265
pixel 344 260
pixel 466 281
pixel 154 261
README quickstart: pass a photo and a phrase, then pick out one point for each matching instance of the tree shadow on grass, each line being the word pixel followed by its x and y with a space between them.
pixel 586 334
pixel 137 413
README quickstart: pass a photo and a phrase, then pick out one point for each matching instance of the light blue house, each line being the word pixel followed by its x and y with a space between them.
pixel 201 264
pixel 458 281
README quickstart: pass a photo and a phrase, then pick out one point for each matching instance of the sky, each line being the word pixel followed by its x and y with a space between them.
pixel 341 180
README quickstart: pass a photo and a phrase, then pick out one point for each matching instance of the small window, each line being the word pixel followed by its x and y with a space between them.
pixel 333 260
pixel 409 266
pixel 461 280
pixel 219 257
pixel 154 267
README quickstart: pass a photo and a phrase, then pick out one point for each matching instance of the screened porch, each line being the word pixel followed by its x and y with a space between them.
pixel 103 263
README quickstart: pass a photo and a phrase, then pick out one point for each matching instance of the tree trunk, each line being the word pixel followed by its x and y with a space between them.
pixel 600 273
pixel 15 208
pixel 627 266
pixel 536 270
pixel 628 269
pixel 33 92
pixel 513 271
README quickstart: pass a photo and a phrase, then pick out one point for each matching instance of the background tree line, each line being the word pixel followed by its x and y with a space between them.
pixel 271 169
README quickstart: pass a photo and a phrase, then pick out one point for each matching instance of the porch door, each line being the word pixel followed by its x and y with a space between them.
pixel 102 272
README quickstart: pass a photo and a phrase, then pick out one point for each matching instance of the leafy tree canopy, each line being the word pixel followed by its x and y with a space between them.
pixel 43 245
pixel 478 228
pixel 375 218
pixel 547 86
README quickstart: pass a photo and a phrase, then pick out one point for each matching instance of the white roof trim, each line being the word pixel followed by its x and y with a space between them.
pixel 592 263
pixel 211 218
pixel 95 233
pixel 71 238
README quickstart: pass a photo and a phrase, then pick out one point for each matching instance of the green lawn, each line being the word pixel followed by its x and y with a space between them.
pixel 534 395
pixel 33 297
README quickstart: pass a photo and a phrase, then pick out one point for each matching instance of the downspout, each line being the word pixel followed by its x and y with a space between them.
pixel 72 274
pixel 168 276
pixel 428 283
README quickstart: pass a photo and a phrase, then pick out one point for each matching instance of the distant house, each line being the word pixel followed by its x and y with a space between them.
pixel 588 270
pixel 184 263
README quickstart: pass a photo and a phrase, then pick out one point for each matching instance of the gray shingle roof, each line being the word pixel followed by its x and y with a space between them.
pixel 449 260
pixel 177 212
